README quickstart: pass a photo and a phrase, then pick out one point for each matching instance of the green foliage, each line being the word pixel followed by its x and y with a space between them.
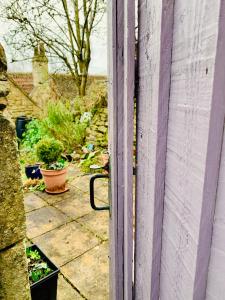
pixel 60 124
pixel 88 160
pixel 40 186
pixel 38 269
pixel 31 137
pixel 49 150
pixel 33 134
pixel 59 165
pixel 28 156
pixel 34 255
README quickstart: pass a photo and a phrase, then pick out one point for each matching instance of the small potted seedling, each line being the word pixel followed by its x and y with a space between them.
pixel 43 275
pixel 54 170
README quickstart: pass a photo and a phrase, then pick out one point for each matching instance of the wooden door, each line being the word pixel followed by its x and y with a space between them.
pixel 180 126
pixel 121 17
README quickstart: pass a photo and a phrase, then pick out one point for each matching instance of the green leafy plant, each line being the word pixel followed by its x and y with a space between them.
pixel 33 134
pixel 33 255
pixel 61 125
pixel 59 165
pixel 38 186
pixel 88 160
pixel 31 137
pixel 37 267
pixel 28 157
pixel 49 151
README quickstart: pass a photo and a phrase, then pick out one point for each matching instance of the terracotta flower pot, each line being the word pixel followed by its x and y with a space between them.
pixel 55 181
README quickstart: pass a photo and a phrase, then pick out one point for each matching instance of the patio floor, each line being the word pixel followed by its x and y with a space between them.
pixel 73 236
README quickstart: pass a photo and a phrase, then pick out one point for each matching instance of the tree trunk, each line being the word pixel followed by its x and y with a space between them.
pixel 83 84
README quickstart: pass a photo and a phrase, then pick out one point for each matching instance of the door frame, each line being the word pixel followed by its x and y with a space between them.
pixel 121 61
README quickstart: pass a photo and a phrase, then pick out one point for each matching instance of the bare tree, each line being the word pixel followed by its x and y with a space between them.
pixel 64 26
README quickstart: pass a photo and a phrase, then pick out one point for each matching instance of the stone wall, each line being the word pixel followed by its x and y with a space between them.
pixel 98 130
pixel 19 103
pixel 14 283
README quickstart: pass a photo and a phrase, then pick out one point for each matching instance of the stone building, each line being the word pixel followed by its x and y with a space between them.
pixel 31 91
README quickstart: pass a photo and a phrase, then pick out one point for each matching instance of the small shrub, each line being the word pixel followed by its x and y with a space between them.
pixel 60 124
pixel 49 151
pixel 34 133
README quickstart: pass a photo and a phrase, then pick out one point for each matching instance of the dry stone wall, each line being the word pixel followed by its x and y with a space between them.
pixel 98 130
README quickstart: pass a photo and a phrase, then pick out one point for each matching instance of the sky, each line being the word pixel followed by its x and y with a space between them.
pixel 98 65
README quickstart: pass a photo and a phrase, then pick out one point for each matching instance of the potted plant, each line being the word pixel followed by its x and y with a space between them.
pixel 54 172
pixel 43 275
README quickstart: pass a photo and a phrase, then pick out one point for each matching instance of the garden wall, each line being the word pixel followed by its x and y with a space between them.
pixel 97 133
pixel 14 284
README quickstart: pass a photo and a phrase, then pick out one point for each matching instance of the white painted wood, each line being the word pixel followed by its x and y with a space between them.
pixel 129 60
pixel 216 274
pixel 115 100
pixel 155 43
pixel 196 116
pixel 121 113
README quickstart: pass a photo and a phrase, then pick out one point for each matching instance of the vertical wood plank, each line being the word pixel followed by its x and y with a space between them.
pixel 155 44
pixel 216 272
pixel 213 161
pixel 196 118
pixel 115 99
pixel 129 59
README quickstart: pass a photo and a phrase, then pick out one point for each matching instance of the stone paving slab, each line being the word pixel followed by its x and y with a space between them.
pixel 67 242
pixel 101 186
pixel 77 247
pixel 75 207
pixel 101 190
pixel 90 273
pixel 43 220
pixel 98 223
pixel 32 202
pixel 65 291
pixel 74 171
pixel 82 182
pixel 52 199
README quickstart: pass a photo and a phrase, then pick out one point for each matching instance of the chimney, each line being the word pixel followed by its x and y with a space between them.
pixel 40 65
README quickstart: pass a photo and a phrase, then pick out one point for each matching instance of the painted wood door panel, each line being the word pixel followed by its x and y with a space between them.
pixel 154 62
pixel 121 16
pixel 196 116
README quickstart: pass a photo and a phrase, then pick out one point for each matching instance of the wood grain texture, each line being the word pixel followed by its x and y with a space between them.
pixel 155 44
pixel 129 60
pixel 196 116
pixel 216 271
pixel 115 100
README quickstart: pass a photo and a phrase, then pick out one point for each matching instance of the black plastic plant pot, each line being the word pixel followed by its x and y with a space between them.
pixel 46 288
pixel 33 171
pixel 21 123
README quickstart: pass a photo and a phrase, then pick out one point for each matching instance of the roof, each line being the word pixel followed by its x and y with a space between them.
pixel 64 83
pixel 24 80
